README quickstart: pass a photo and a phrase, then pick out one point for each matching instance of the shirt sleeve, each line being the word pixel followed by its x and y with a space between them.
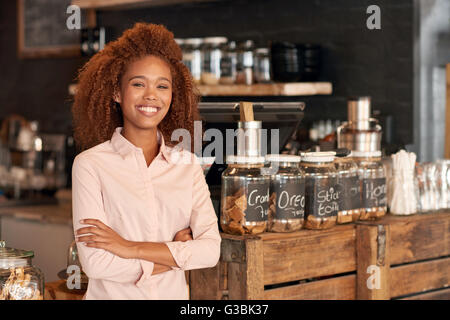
pixel 87 203
pixel 204 250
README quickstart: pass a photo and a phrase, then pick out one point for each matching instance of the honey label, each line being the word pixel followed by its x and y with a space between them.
pixel 373 193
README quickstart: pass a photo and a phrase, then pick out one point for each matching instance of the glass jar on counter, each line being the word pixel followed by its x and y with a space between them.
pixel 192 57
pixel 19 279
pixel 228 63
pixel 245 62
pixel 322 198
pixel 372 177
pixel 349 187
pixel 262 65
pixel 287 193
pixel 245 196
pixel 211 55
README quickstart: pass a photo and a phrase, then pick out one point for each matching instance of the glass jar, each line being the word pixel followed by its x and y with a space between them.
pixel 228 63
pixel 372 177
pixel 322 198
pixel 19 279
pixel 245 196
pixel 245 62
pixel 287 193
pixel 349 186
pixel 192 57
pixel 262 65
pixel 211 55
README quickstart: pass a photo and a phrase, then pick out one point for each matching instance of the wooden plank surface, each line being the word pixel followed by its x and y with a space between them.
pixel 443 294
pixel 245 278
pixel 372 252
pixel 204 284
pixel 128 4
pixel 447 116
pixel 419 237
pixel 308 254
pixel 259 89
pixel 420 277
pixel 58 291
pixel 339 288
pixel 268 89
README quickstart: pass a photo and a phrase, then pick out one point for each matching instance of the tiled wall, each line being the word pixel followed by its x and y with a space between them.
pixel 357 61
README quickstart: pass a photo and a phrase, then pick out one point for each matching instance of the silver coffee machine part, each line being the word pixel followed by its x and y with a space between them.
pixel 360 132
pixel 249 138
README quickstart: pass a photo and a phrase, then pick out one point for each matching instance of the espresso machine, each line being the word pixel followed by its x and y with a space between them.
pixel 32 166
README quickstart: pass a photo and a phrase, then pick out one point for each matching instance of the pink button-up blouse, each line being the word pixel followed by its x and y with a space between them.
pixel 111 182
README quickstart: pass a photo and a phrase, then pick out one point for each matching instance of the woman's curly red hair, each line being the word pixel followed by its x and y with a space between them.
pixel 95 113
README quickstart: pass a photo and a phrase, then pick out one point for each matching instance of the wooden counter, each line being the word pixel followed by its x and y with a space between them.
pixel 60 213
pixel 403 257
pixel 58 291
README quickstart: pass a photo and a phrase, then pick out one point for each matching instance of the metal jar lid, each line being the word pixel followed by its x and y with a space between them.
pixel 11 258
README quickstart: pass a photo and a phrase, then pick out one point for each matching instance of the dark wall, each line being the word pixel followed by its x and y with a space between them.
pixel 34 88
pixel 357 61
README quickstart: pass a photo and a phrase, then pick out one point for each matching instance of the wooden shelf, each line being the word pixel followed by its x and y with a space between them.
pixel 272 89
pixel 128 4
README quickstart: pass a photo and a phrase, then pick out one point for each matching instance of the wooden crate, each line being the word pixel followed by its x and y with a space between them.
pixel 407 255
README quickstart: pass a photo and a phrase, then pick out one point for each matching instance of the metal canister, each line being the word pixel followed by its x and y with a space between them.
pixel 249 138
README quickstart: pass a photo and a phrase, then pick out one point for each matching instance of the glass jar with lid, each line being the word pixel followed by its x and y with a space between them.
pixel 228 63
pixel 245 196
pixel 322 198
pixel 192 57
pixel 245 62
pixel 350 189
pixel 211 55
pixel 262 65
pixel 372 177
pixel 287 193
pixel 19 279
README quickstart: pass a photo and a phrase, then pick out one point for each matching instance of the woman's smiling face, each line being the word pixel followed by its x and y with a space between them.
pixel 145 93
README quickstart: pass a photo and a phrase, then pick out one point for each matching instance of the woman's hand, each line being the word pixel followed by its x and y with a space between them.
pixel 103 237
pixel 183 235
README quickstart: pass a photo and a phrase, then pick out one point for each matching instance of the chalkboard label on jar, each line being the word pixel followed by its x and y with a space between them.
pixel 257 202
pixel 349 193
pixel 290 200
pixel 374 193
pixel 322 198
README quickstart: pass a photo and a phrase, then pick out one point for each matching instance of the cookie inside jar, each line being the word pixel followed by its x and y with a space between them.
pixel 287 193
pixel 245 196
pixel 19 279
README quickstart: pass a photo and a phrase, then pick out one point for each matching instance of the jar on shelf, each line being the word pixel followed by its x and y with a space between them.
pixel 245 196
pixel 245 62
pixel 228 63
pixel 19 279
pixel 349 187
pixel 321 196
pixel 287 193
pixel 192 57
pixel 372 177
pixel 262 65
pixel 211 55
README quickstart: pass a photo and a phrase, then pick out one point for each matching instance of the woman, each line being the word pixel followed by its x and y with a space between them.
pixel 141 216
